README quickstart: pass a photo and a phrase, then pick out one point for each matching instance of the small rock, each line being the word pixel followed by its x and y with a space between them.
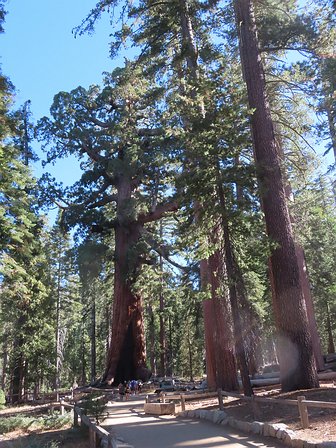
pixel 308 444
pixel 267 429
pixel 257 427
pixel 326 445
pixel 244 426
pixel 289 435
pixel 297 443
pixel 218 416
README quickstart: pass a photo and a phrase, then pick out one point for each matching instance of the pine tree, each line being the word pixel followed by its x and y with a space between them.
pixel 298 369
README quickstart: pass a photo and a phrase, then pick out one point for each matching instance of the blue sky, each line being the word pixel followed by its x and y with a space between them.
pixel 41 56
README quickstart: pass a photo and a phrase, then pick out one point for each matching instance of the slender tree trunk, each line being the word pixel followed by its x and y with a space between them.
pixel 190 353
pixel 226 369
pixel 5 359
pixel 234 278
pixel 83 350
pixel 93 338
pixel 209 325
pixel 331 344
pixel 170 352
pixel 213 348
pixel 17 380
pixel 163 348
pixel 297 364
pixel 151 326
pixel 58 329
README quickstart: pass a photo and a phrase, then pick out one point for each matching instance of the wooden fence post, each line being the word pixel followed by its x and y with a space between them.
pixel 303 411
pixel 220 399
pixel 255 408
pixel 92 437
pixel 75 417
pixel 62 409
pixel 111 441
pixel 147 399
pixel 182 403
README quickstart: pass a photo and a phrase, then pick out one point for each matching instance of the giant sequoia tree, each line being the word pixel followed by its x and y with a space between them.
pixel 117 133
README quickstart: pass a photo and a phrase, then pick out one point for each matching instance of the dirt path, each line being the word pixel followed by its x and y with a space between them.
pixel 139 430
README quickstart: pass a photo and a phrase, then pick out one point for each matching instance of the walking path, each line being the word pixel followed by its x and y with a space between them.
pixel 139 430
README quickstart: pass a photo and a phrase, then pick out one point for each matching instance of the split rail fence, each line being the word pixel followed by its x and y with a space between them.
pixel 96 432
pixel 301 403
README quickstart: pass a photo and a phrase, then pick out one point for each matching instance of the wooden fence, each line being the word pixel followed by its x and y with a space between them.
pixel 95 431
pixel 301 403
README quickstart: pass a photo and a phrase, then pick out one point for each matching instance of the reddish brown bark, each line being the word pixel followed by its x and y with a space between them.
pixel 126 358
pixel 209 339
pixel 309 306
pixel 297 364
pixel 126 354
pixel 304 278
pixel 226 369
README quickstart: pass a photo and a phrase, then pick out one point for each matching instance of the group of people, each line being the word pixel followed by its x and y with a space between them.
pixel 129 387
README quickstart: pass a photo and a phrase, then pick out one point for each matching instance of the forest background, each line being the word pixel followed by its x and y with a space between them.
pixel 57 283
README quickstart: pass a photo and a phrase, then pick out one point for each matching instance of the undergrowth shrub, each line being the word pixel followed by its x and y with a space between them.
pixel 37 444
pixel 94 405
pixel 45 422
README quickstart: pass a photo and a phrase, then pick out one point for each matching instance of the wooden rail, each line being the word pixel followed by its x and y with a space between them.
pixel 301 403
pixel 182 398
pixel 94 430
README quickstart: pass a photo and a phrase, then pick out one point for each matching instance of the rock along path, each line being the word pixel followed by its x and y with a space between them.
pixel 139 430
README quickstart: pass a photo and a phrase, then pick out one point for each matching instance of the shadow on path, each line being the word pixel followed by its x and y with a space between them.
pixel 128 420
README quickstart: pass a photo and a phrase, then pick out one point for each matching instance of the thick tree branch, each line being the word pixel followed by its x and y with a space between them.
pixel 150 132
pixel 100 123
pixel 161 251
pixel 93 154
pixel 107 200
pixel 159 211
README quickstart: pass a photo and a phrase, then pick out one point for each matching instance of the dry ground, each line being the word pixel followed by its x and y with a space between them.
pixel 322 421
pixel 65 438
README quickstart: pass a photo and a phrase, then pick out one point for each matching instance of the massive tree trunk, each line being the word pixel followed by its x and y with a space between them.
pixel 297 364
pixel 304 278
pixel 126 357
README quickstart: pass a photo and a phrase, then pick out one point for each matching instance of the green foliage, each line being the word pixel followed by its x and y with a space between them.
pixel 48 422
pixel 94 405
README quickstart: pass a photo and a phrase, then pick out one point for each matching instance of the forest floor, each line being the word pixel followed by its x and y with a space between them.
pixel 322 421
pixel 65 438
